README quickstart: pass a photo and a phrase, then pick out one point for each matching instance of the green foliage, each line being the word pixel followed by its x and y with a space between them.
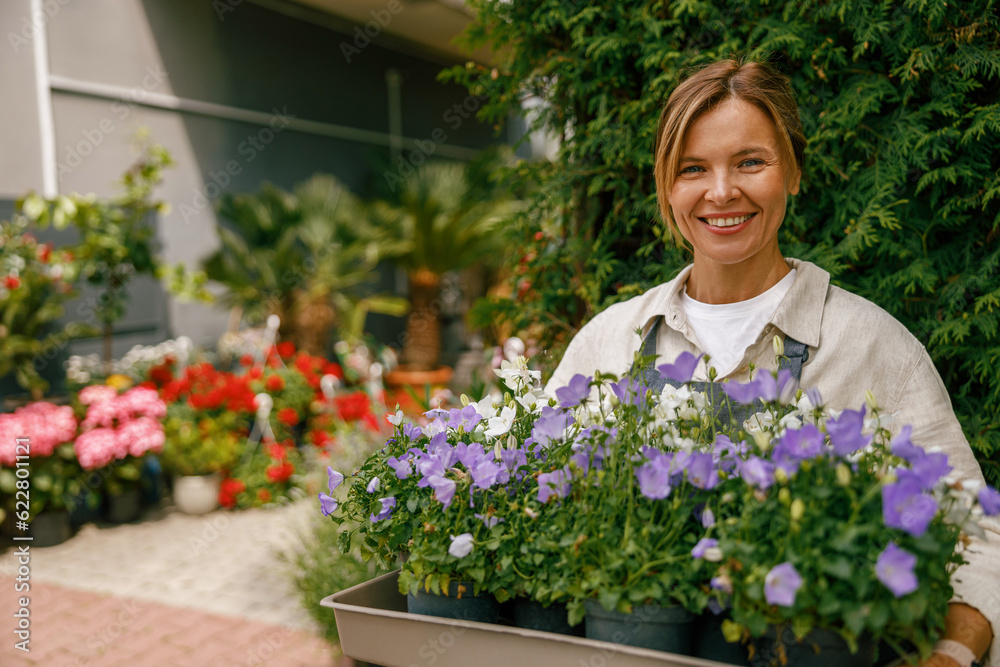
pixel 319 569
pixel 35 282
pixel 200 446
pixel 444 217
pixel 283 251
pixel 900 197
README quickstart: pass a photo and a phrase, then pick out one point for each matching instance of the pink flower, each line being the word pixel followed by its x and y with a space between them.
pixel 99 447
pixel 142 435
pixel 97 393
pixel 102 413
pixel 46 426
pixel 10 430
pixel 143 401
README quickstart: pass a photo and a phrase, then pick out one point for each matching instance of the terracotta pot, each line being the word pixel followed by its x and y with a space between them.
pixel 407 376
pixel 406 382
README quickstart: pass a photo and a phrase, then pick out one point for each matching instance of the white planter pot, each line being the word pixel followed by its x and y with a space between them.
pixel 197 494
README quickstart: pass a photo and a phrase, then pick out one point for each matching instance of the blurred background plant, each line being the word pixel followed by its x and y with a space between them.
pixel 37 282
pixel 307 256
pixel 442 218
pixel 116 244
pixel 201 446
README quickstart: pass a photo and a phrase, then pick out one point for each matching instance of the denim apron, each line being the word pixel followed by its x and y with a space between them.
pixel 796 354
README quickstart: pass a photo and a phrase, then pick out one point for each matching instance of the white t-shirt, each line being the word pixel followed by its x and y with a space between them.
pixel 726 330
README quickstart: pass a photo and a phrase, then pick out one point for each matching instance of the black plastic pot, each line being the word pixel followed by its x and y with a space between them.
pixel 122 507
pixel 482 608
pixel 819 648
pixel 50 528
pixel 710 644
pixel 667 629
pixel 532 615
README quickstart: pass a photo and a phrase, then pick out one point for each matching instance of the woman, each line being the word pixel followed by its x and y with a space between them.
pixel 729 153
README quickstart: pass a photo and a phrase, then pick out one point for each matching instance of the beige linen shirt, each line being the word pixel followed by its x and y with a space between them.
pixel 853 345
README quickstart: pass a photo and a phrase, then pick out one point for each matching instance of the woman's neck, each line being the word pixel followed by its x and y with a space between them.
pixel 710 282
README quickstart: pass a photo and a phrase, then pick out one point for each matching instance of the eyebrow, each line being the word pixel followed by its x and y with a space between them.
pixel 746 151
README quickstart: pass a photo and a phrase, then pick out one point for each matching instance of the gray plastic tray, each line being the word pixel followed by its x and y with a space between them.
pixel 375 627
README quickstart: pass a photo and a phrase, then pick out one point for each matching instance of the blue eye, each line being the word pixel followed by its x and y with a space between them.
pixel 752 162
pixel 691 169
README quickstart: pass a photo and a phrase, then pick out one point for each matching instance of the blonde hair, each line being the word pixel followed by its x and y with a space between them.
pixel 756 83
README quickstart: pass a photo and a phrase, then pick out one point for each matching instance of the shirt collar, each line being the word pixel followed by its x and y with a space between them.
pixel 800 314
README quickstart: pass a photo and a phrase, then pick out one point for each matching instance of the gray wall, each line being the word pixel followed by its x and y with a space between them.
pixel 117 65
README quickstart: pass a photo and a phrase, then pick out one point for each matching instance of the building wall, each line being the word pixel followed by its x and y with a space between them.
pixel 207 86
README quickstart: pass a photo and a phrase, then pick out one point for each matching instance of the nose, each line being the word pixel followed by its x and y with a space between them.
pixel 721 189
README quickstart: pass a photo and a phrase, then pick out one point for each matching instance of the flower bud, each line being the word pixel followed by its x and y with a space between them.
pixel 465 400
pixel 496 450
pixel 531 513
pixel 798 508
pixel 779 346
pixel 713 554
pixel 870 400
pixel 763 440
pixel 843 474
pixel 511 441
pixel 785 497
pixel 780 476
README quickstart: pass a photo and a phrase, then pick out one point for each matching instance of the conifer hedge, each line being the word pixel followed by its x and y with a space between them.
pixel 900 197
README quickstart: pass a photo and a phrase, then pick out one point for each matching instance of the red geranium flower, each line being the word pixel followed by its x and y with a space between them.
pixel 44 252
pixel 263 495
pixel 288 416
pixel 286 349
pixel 280 472
pixel 319 437
pixel 353 406
pixel 228 491
pixel 12 282
pixel 246 360
pixel 277 451
pixel 274 383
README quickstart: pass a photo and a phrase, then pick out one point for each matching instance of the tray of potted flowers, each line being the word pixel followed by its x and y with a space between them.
pixel 646 523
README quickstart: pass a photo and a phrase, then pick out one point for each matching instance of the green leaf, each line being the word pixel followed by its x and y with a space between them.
pixel 839 567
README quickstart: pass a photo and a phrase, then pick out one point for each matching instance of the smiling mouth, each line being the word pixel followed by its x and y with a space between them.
pixel 727 222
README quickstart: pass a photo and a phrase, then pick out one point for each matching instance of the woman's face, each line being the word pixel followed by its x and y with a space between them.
pixel 728 199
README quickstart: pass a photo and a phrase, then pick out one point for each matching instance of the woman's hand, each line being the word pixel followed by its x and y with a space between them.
pixel 963 624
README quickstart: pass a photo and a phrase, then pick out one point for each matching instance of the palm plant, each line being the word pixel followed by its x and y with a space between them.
pixel 444 217
pixel 305 255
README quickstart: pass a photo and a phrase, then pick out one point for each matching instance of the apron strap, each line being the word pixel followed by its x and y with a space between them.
pixel 796 354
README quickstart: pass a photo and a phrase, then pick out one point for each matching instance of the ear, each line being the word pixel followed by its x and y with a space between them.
pixel 793 181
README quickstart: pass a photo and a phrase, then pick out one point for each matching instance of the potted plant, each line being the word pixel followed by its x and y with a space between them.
pixel 306 256
pixel 35 281
pixel 267 472
pixel 443 218
pixel 445 494
pixel 118 430
pixel 117 239
pixel 39 474
pixel 198 451
pixel 846 540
